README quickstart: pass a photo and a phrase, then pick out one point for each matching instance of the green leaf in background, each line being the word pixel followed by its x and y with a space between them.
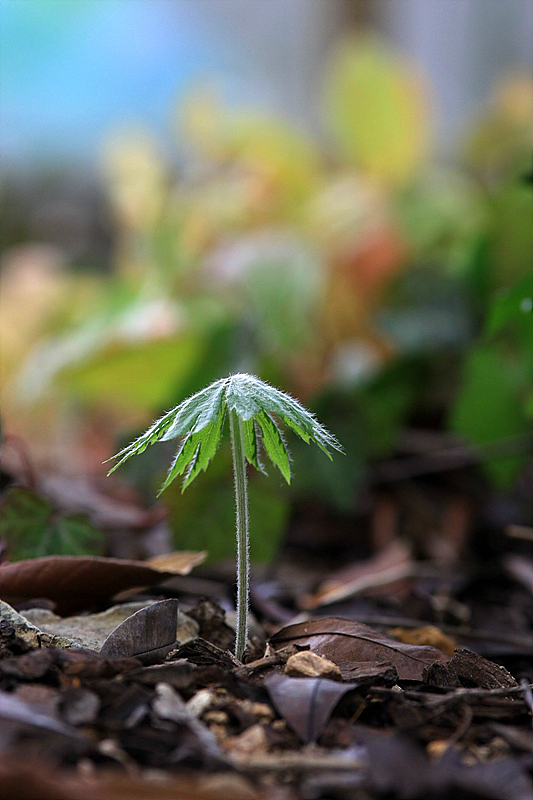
pixel 384 404
pixel 136 376
pixel 73 535
pixel 512 229
pixel 489 407
pixel 283 280
pixel 443 216
pixel 514 307
pixel 31 528
pixel 267 146
pixel 377 110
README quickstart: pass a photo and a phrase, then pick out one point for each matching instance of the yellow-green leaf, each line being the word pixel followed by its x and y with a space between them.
pixel 135 376
pixel 377 110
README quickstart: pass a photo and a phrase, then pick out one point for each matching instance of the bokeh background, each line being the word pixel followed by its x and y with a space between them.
pixel 335 196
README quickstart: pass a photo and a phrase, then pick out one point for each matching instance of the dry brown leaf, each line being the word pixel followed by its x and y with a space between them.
pixel 306 704
pixel 346 642
pixel 21 779
pixel 74 583
pixel 149 634
pixel 180 562
pixel 388 572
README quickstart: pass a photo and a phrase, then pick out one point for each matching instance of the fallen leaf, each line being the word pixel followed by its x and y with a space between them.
pixel 74 583
pixel 346 642
pixel 475 670
pixel 88 630
pixel 78 496
pixel 398 767
pixel 388 572
pixel 180 562
pixel 306 704
pixel 79 706
pixel 168 705
pixel 21 778
pixel 21 716
pixel 149 634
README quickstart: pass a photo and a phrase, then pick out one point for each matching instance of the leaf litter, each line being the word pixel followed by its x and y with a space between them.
pixel 391 691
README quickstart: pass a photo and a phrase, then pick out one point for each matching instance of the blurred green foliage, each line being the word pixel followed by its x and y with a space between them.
pixel 31 528
pixel 375 284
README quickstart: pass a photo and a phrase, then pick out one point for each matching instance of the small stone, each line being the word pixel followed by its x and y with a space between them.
pixel 307 664
pixel 204 700
pixel 215 717
pixel 252 741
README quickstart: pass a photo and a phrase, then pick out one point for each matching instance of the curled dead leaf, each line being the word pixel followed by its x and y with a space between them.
pixel 306 704
pixel 149 634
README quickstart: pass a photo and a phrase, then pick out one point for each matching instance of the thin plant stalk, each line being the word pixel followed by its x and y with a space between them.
pixel 241 511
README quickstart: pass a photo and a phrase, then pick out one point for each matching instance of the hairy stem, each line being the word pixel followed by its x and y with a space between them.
pixel 241 505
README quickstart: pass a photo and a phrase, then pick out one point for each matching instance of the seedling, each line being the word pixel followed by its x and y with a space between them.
pixel 253 408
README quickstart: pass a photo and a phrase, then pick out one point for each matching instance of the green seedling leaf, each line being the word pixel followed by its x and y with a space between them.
pixel 251 446
pixel 199 420
pixel 275 447
pixel 196 452
pixel 251 406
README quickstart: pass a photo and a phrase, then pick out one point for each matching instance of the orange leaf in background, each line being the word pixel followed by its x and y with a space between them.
pixel 425 635
pixel 376 260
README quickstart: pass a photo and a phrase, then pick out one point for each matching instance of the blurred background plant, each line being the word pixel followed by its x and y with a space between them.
pixel 385 286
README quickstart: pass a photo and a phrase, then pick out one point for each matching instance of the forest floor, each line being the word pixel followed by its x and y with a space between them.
pixel 390 656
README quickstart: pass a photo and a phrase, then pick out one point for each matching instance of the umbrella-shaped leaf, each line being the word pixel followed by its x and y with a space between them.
pixel 200 418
